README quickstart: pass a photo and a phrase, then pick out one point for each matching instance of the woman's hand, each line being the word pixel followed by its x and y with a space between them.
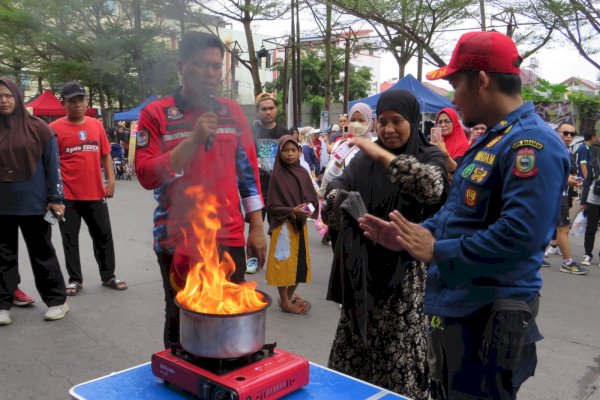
pixel 57 209
pixel 300 212
pixel 373 150
pixel 441 145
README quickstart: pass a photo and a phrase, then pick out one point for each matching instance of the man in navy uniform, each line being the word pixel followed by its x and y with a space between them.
pixel 487 242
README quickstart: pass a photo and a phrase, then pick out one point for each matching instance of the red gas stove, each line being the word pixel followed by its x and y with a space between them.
pixel 269 373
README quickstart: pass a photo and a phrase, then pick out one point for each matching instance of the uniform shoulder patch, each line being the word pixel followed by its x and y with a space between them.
pixel 525 163
pixel 142 139
pixel 527 143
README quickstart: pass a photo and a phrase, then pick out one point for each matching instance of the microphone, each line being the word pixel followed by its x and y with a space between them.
pixel 213 105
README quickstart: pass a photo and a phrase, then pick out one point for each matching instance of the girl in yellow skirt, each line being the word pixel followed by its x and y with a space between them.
pixel 292 199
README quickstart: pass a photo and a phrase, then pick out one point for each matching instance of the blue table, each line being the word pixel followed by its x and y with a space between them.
pixel 138 383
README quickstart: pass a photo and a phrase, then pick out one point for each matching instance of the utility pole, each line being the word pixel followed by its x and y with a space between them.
pixel 328 56
pixel 294 65
pixel 284 100
pixel 347 71
pixel 298 63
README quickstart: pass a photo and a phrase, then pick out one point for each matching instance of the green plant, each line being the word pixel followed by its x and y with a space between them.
pixel 317 104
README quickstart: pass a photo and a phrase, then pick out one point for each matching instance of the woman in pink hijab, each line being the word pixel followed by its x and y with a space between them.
pixel 451 137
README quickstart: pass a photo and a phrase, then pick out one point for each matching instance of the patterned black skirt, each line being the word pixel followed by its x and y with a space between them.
pixel 395 357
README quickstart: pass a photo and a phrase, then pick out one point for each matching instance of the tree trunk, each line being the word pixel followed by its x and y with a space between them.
pixel 138 53
pixel 251 51
pixel 482 14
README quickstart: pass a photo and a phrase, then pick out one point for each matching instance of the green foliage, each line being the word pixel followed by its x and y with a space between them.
pixel 312 71
pixel 588 107
pixel 112 47
pixel 317 104
pixel 544 92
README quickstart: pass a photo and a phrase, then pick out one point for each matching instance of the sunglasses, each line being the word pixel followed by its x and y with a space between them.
pixel 568 133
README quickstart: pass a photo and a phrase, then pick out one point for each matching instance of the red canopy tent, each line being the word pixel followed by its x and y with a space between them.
pixel 46 104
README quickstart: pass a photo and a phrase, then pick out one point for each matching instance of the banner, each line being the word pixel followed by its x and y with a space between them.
pixel 132 143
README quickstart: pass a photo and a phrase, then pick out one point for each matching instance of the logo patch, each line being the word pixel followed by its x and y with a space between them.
pixel 527 143
pixel 467 171
pixel 142 139
pixel 173 113
pixel 479 175
pixel 471 196
pixel 82 135
pixel 485 157
pixel 493 142
pixel 525 163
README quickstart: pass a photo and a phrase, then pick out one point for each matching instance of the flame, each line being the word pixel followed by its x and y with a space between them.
pixel 206 288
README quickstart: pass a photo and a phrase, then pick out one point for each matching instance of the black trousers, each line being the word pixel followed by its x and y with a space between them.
pixel 592 211
pixel 95 215
pixel 457 371
pixel 171 328
pixel 37 233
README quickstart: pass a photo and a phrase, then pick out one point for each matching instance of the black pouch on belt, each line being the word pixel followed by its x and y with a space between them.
pixel 503 337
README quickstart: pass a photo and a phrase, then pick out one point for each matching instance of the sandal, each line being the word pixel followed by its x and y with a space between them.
pixel 73 288
pixel 115 284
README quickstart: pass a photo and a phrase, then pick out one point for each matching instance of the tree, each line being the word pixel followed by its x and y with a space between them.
pixel 406 26
pixel 313 67
pixel 577 21
pixel 246 12
pixel 93 41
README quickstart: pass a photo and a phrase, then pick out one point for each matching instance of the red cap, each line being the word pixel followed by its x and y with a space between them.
pixel 482 51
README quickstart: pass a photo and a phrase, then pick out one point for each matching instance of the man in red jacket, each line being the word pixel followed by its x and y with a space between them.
pixel 191 139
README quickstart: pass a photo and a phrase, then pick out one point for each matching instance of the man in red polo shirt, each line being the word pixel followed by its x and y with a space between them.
pixel 82 146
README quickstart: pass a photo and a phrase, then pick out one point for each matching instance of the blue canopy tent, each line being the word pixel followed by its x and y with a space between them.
pixel 429 101
pixel 134 113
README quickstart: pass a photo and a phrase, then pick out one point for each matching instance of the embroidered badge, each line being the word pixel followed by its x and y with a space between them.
pixel 471 196
pixel 527 143
pixel 468 170
pixel 493 142
pixel 485 157
pixel 82 135
pixel 479 175
pixel 503 123
pixel 142 139
pixel 173 113
pixel 525 163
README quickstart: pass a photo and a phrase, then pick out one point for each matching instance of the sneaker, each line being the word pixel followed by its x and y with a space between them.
pixel 587 260
pixel 552 250
pixel 5 317
pixel 251 265
pixel 21 299
pixel 546 264
pixel 56 312
pixel 573 268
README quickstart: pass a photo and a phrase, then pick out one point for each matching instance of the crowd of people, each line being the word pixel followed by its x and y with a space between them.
pixel 437 240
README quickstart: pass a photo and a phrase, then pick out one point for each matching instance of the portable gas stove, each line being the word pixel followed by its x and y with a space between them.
pixel 269 373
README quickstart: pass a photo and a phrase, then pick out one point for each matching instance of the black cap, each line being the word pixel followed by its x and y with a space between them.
pixel 72 89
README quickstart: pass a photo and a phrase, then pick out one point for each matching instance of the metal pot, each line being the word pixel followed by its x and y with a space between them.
pixel 223 335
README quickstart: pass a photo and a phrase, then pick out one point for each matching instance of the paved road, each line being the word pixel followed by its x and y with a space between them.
pixel 109 331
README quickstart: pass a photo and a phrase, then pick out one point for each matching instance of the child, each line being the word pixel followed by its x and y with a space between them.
pixel 291 195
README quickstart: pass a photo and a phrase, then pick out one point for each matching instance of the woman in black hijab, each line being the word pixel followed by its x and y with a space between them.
pixel 381 335
pixel 30 186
